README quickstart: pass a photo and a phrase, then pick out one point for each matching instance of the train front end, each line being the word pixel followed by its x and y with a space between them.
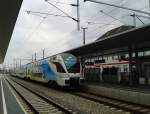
pixel 72 66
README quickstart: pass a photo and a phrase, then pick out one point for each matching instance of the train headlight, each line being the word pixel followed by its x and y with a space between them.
pixel 64 76
pixel 67 75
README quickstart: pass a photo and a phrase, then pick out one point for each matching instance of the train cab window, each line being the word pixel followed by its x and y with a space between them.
pixel 59 67
pixel 75 68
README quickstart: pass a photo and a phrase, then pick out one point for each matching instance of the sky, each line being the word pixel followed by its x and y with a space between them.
pixel 34 32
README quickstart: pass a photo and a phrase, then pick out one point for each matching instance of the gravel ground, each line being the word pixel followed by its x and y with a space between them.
pixel 74 102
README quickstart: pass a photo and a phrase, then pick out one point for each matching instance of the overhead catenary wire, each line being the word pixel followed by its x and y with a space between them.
pixel 111 17
pixel 140 19
pixel 43 19
pixel 98 32
pixel 35 12
pixel 59 2
pixel 30 35
pixel 126 8
pixel 107 24
pixel 39 15
pixel 113 9
pixel 61 11
pixel 99 27
pixel 110 23
pixel 106 8
pixel 102 27
pixel 100 23
pixel 71 17
pixel 134 15
pixel 63 3
pixel 35 29
pixel 147 17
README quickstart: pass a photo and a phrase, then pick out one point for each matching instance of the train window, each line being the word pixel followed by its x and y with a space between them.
pixel 59 67
pixel 75 68
pixel 71 63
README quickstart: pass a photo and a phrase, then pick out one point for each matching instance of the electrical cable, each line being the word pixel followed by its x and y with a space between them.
pixel 35 12
pixel 59 2
pixel 31 34
pixel 93 23
pixel 106 8
pixel 119 18
pixel 63 3
pixel 140 20
pixel 61 11
pixel 111 17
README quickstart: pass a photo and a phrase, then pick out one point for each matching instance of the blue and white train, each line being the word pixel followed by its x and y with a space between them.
pixel 62 69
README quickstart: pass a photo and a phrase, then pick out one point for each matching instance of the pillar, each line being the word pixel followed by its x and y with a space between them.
pixel 130 67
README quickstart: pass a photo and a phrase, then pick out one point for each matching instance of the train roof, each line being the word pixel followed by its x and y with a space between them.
pixel 48 58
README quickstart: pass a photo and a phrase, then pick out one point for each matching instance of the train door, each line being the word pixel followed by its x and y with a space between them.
pixel 147 73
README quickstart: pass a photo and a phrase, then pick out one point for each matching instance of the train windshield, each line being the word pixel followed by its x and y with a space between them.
pixel 71 63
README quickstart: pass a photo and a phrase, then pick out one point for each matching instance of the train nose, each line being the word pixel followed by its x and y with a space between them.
pixel 73 81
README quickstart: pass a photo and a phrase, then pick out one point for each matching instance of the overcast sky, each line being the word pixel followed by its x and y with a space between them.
pixel 33 33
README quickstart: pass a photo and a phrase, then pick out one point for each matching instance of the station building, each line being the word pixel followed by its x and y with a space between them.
pixel 120 56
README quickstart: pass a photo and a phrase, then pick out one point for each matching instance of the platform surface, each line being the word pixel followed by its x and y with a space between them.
pixel 132 94
pixel 137 88
pixel 9 104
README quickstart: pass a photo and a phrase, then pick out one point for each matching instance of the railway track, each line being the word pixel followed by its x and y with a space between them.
pixel 130 107
pixel 114 104
pixel 37 102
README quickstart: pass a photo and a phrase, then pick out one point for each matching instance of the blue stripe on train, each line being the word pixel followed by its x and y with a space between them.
pixel 48 72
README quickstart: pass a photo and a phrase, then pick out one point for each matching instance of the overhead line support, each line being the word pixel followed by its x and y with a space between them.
pixel 78 15
pixel 147 17
pixel 77 5
pixel 84 28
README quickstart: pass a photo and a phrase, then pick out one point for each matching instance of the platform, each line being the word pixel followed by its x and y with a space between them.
pixel 8 101
pixel 138 95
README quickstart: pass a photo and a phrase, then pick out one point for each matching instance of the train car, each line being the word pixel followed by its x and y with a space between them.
pixel 62 69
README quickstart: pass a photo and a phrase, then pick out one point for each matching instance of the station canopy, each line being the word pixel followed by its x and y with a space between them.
pixel 132 38
pixel 9 12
